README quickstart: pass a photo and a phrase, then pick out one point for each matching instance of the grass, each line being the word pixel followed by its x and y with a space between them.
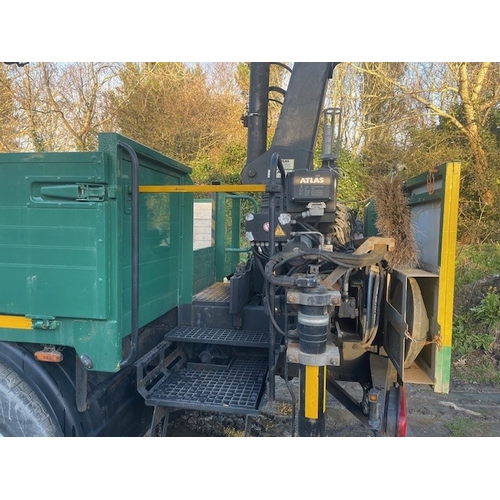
pixel 476 328
pixel 477 367
pixel 464 427
pixel 488 310
pixel 475 262
pixel 471 334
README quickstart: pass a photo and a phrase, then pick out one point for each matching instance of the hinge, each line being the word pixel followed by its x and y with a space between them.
pixel 44 322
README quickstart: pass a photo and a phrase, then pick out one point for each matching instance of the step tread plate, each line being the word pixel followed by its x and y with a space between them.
pixel 219 336
pixel 238 389
pixel 215 293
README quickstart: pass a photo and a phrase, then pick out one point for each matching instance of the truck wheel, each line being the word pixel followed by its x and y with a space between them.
pixel 22 414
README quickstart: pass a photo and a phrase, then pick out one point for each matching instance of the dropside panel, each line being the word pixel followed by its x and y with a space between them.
pixel 53 235
pixel 165 238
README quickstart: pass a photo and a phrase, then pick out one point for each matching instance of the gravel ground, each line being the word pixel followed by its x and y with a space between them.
pixel 467 411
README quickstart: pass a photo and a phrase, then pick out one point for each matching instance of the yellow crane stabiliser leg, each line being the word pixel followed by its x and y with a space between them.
pixel 314 355
pixel 312 400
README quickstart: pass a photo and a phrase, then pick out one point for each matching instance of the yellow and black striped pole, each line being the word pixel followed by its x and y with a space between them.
pixel 312 400
pixel 313 323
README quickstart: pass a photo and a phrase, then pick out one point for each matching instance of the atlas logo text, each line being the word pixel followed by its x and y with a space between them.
pixel 312 180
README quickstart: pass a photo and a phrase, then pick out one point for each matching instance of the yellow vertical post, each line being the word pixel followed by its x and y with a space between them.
pixel 447 276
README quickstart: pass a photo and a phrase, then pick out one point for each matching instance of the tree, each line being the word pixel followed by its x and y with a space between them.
pixel 344 93
pixel 61 106
pixel 7 119
pixel 189 112
pixel 464 94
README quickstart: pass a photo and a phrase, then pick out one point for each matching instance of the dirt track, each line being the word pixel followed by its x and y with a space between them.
pixel 471 410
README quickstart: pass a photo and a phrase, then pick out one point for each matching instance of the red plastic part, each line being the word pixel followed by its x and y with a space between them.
pixel 403 413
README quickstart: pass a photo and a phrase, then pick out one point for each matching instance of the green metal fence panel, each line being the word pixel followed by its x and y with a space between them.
pixel 220 236
pixel 228 251
pixel 203 268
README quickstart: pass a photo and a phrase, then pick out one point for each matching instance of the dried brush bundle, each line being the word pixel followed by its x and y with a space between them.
pixel 394 221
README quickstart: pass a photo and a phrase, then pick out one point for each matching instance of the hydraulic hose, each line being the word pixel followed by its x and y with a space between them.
pixel 338 258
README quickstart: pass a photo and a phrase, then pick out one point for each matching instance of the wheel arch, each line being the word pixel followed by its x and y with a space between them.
pixel 52 384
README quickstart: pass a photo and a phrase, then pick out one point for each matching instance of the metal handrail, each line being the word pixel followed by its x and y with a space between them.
pixel 134 312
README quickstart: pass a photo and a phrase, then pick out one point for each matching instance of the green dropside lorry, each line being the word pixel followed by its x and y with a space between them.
pixel 110 321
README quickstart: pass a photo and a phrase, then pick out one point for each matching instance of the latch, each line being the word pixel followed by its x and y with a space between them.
pixel 91 192
pixel 75 192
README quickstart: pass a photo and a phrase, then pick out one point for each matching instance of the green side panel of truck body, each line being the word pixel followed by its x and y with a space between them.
pixel 65 245
pixel 47 271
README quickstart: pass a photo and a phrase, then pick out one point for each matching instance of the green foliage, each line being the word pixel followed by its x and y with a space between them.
pixel 182 111
pixel 353 179
pixel 474 262
pixel 488 310
pixel 476 324
pixel 479 223
pixel 470 336
pixel 225 169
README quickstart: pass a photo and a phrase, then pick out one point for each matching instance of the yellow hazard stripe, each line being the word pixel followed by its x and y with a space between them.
pixel 220 188
pixel 324 389
pixel 18 322
pixel 311 392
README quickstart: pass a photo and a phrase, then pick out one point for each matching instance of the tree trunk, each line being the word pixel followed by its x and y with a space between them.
pixel 481 166
pixel 470 93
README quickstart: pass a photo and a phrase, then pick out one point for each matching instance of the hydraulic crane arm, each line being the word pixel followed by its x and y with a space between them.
pixel 297 127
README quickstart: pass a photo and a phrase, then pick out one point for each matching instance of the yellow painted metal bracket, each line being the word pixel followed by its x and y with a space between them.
pixel 206 188
pixel 16 322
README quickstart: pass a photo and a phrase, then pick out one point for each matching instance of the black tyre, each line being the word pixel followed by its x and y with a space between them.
pixel 22 413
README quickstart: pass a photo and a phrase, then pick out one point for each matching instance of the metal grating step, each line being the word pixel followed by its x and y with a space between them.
pixel 217 292
pixel 219 336
pixel 237 389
